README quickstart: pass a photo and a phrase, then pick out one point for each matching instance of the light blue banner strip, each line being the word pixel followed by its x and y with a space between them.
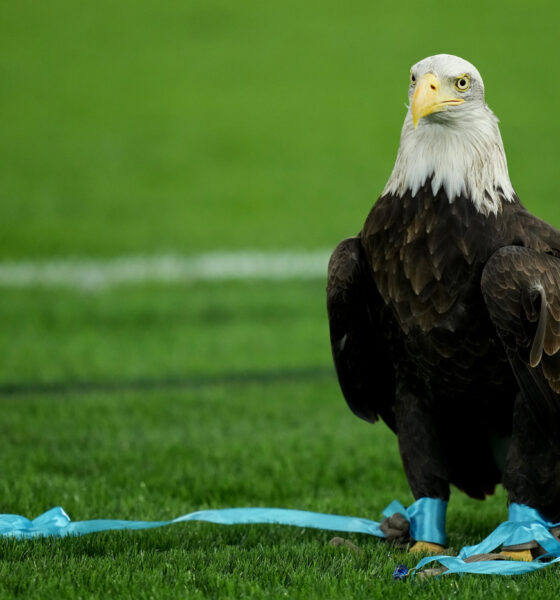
pixel 56 522
pixel 427 518
pixel 485 567
pixel 524 524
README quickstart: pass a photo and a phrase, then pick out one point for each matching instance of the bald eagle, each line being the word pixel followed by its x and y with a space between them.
pixel 444 310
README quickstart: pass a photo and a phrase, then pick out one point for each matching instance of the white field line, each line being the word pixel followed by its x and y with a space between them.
pixel 168 268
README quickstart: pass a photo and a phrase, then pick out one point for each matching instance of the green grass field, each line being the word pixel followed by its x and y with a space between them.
pixel 144 128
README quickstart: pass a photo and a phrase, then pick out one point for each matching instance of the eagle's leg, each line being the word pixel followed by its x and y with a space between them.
pixel 532 473
pixel 423 458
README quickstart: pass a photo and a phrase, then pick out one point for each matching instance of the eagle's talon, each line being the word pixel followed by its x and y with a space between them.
pixel 523 555
pixel 426 548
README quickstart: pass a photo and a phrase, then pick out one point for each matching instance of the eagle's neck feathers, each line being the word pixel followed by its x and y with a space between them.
pixel 465 156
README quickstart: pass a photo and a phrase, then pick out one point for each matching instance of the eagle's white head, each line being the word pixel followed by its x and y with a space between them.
pixel 451 136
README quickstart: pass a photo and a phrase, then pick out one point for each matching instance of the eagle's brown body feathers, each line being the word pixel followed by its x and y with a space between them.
pixel 443 322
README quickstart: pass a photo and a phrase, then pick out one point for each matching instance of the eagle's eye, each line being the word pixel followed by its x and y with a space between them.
pixel 463 83
pixel 412 78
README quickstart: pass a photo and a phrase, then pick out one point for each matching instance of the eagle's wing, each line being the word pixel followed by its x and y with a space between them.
pixel 521 288
pixel 365 371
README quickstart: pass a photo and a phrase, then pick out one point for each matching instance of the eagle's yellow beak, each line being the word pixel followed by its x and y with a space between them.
pixel 430 98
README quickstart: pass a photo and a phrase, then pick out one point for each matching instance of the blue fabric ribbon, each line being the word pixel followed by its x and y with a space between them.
pixel 426 517
pixel 524 524
pixel 427 520
pixel 55 522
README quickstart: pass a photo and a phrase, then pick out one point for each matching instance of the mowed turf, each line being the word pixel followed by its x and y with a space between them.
pixel 140 127
pixel 182 126
pixel 129 428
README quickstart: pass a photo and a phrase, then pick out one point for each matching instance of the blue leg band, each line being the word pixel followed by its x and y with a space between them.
pixel 427 520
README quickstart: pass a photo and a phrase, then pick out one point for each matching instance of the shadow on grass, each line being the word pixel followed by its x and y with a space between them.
pixel 179 382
